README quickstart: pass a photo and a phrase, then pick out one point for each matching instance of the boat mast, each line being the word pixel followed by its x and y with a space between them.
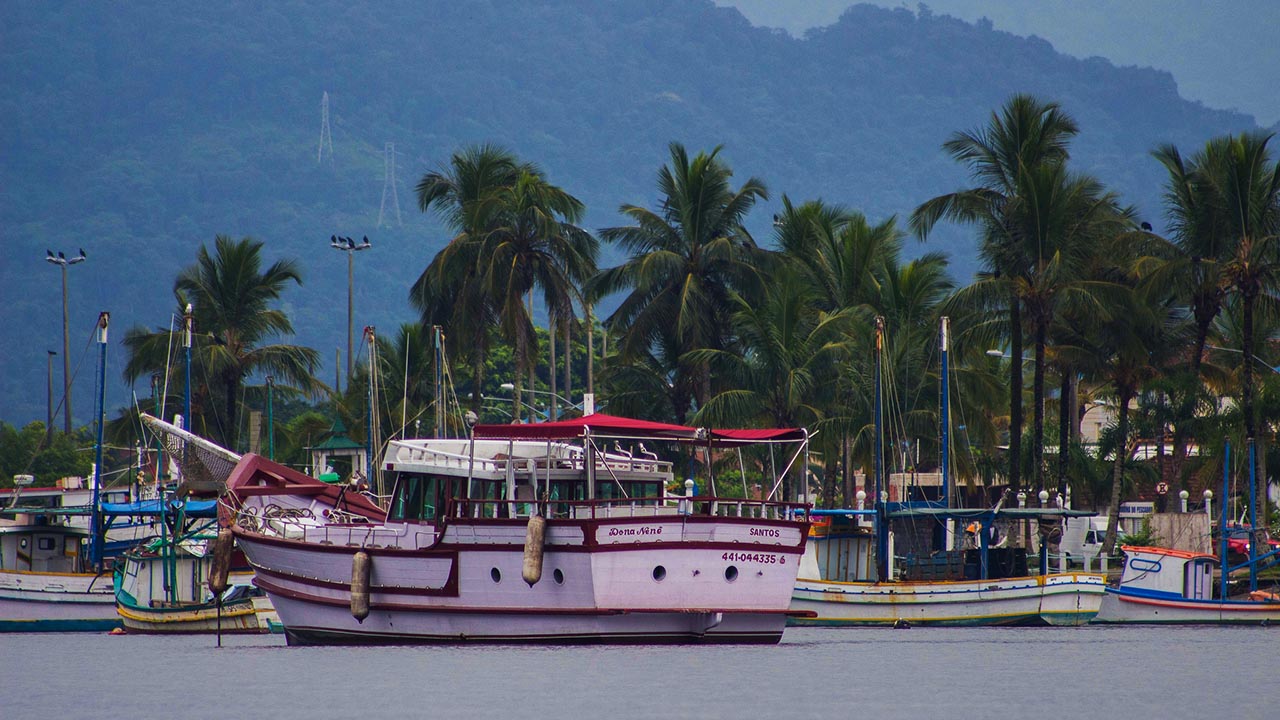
pixel 881 497
pixel 186 344
pixel 946 417
pixel 95 545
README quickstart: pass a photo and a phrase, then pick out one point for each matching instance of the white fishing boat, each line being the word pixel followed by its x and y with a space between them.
pixel 45 584
pixel 51 571
pixel 162 587
pixel 849 576
pixel 524 533
pixel 978 586
pixel 1164 586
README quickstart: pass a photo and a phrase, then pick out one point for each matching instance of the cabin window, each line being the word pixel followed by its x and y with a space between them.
pixel 415 498
pixel 46 543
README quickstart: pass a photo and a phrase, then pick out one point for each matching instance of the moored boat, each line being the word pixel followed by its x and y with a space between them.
pixel 978 586
pixel 1162 586
pixel 523 533
pixel 1165 586
pixel 162 587
pixel 849 575
pixel 44 586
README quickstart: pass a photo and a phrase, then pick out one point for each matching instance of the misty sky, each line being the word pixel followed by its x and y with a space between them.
pixel 1223 53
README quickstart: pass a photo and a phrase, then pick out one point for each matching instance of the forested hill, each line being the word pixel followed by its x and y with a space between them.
pixel 140 130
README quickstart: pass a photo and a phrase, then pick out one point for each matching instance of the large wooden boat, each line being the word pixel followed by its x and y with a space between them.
pixel 523 533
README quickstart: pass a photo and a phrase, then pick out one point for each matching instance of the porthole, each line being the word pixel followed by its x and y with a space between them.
pixel 496 575
pixel 558 576
pixel 731 573
pixel 659 573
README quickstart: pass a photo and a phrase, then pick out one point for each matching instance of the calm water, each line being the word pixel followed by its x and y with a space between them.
pixel 1091 672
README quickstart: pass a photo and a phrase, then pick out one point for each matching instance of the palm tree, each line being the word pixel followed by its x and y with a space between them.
pixel 778 372
pixel 450 291
pixel 231 295
pixel 1247 184
pixel 1193 262
pixel 1133 340
pixel 686 260
pixel 1025 134
pixel 1061 219
pixel 534 244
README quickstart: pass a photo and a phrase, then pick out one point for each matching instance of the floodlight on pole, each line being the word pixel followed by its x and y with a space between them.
pixel 64 262
pixel 350 247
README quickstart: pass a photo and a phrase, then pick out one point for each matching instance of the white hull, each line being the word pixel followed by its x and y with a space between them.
pixel 1126 608
pixel 604 596
pixel 1065 599
pixel 38 602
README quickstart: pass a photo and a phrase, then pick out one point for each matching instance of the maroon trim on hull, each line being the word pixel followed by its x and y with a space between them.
pixel 449 589
pixel 318 636
pixel 441 549
pixel 292 594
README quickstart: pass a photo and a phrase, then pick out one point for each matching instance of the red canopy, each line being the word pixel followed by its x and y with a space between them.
pixel 611 425
pixel 598 424
pixel 746 437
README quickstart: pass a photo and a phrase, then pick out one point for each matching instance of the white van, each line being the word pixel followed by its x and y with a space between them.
pixel 1082 539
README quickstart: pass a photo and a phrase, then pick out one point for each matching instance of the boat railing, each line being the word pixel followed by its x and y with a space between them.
pixel 407 454
pixel 627 507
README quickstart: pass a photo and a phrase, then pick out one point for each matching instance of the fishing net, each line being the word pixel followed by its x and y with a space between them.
pixel 203 465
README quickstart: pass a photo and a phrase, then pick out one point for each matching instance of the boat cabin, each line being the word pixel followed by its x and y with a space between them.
pixel 42 546
pixel 504 478
pixel 1167 573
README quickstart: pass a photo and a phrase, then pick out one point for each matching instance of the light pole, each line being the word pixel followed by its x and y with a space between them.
pixel 271 420
pixel 1265 364
pixel 64 262
pixel 48 427
pixel 511 386
pixel 349 246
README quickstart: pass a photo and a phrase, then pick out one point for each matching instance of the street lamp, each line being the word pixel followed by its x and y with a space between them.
pixel 64 262
pixel 1265 364
pixel 350 247
pixel 509 387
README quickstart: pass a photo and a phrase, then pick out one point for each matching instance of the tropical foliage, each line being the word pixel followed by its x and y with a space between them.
pixel 1176 335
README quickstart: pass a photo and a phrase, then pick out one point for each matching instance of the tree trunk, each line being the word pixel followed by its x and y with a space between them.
pixel 551 342
pixel 1117 474
pixel 1015 395
pixel 1177 460
pixel 1037 391
pixel 1066 409
pixel 568 358
pixel 1248 295
pixel 591 350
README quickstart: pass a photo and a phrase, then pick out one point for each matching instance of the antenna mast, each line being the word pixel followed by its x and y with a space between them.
pixel 389 182
pixel 326 138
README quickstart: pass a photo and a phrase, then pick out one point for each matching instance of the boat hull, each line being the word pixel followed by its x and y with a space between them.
pixel 1121 607
pixel 614 595
pixel 1069 599
pixel 56 602
pixel 237 618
